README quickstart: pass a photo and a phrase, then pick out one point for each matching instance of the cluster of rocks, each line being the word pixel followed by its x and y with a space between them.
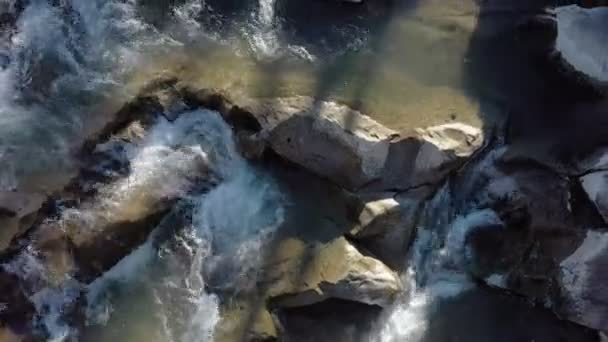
pixel 545 241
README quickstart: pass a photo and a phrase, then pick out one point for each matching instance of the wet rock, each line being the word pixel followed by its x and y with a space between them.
pixel 329 139
pixel 584 283
pixel 17 213
pixel 300 274
pixel 595 185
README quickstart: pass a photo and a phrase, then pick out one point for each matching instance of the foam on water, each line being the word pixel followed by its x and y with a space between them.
pixel 49 301
pixel 62 59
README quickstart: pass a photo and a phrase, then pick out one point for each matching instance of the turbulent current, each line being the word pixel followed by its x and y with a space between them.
pixel 65 64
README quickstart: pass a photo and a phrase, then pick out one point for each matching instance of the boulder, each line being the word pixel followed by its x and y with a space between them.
pixel 299 274
pixel 377 216
pixel 586 55
pixel 584 283
pixel 327 138
pixel 386 225
pixel 427 159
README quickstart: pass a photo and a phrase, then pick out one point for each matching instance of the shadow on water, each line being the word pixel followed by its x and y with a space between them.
pixel 337 27
pixel 520 81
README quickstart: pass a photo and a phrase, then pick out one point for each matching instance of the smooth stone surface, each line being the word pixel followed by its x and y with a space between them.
pixel 301 274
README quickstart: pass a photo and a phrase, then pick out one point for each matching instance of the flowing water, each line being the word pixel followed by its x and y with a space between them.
pixel 64 65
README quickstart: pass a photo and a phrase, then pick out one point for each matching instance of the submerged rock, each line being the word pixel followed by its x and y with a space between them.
pixel 300 274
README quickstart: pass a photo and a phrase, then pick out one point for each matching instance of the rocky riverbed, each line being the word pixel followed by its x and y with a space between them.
pixel 188 211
